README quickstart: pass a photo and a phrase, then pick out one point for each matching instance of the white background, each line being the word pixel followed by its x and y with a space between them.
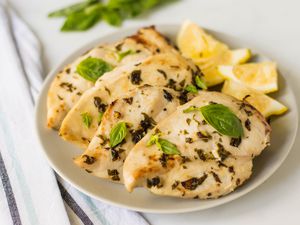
pixel 271 26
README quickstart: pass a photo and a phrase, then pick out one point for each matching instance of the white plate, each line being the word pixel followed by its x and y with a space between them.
pixel 60 153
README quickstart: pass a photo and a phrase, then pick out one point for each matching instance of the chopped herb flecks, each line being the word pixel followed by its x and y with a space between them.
pixel 135 77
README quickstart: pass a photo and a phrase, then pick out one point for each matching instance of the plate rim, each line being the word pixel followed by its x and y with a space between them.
pixel 47 82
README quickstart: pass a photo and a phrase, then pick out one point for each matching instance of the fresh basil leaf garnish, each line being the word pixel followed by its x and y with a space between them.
pixel 80 21
pixel 223 120
pixel 86 119
pixel 121 55
pixel 191 109
pixel 153 140
pixel 112 17
pixel 93 68
pixel 117 134
pixel 100 115
pixel 167 147
pixel 164 145
pixel 72 9
pixel 200 83
pixel 82 16
pixel 191 88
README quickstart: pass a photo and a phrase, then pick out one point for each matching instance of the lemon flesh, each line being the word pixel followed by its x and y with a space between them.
pixel 207 52
pixel 259 76
pixel 266 105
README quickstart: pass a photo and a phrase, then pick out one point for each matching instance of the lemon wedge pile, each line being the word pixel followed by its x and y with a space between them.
pixel 249 81
pixel 266 105
pixel 259 76
pixel 207 52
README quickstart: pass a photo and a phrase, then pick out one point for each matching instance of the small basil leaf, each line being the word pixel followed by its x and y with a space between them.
pixel 167 147
pixel 86 119
pixel 223 120
pixel 72 9
pixel 200 83
pixel 191 88
pixel 100 115
pixel 191 109
pixel 121 55
pixel 153 140
pixel 163 145
pixel 117 134
pixel 93 68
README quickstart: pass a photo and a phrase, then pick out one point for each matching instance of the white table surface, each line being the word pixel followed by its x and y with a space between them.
pixel 271 26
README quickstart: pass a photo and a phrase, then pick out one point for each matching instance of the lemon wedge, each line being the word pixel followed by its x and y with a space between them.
pixel 266 105
pixel 259 76
pixel 207 52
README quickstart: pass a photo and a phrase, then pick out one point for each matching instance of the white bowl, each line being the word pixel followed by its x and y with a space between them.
pixel 60 153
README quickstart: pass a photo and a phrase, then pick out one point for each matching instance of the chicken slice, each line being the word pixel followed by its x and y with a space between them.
pixel 171 70
pixel 68 85
pixel 141 109
pixel 210 164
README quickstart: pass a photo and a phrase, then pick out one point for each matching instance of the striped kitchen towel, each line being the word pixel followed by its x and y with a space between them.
pixel 30 192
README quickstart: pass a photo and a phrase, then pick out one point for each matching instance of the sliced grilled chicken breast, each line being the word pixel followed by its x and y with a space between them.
pixel 209 164
pixel 170 69
pixel 68 85
pixel 141 109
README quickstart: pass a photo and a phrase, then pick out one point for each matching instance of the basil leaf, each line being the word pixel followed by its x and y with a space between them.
pixel 112 17
pixel 86 119
pixel 117 134
pixel 191 88
pixel 93 68
pixel 200 83
pixel 223 120
pixel 72 9
pixel 153 140
pixel 83 20
pixel 100 115
pixel 121 55
pixel 191 109
pixel 167 147
pixel 80 21
pixel 163 145
pixel 82 16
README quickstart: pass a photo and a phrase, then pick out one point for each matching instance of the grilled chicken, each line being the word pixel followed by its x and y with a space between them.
pixel 170 69
pixel 68 85
pixel 141 109
pixel 209 164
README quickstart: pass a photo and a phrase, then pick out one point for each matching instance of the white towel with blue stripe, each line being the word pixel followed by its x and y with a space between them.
pixel 30 192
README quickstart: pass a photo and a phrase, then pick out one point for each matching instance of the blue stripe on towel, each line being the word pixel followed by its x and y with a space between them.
pixel 11 201
pixel 19 173
pixel 74 206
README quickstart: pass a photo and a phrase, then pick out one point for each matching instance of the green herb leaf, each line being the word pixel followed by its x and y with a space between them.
pixel 72 9
pixel 200 83
pixel 84 19
pixel 191 88
pixel 223 120
pixel 112 17
pixel 117 134
pixel 100 115
pixel 163 145
pixel 86 119
pixel 191 109
pixel 121 55
pixel 93 68
pixel 82 16
pixel 153 140
pixel 167 147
